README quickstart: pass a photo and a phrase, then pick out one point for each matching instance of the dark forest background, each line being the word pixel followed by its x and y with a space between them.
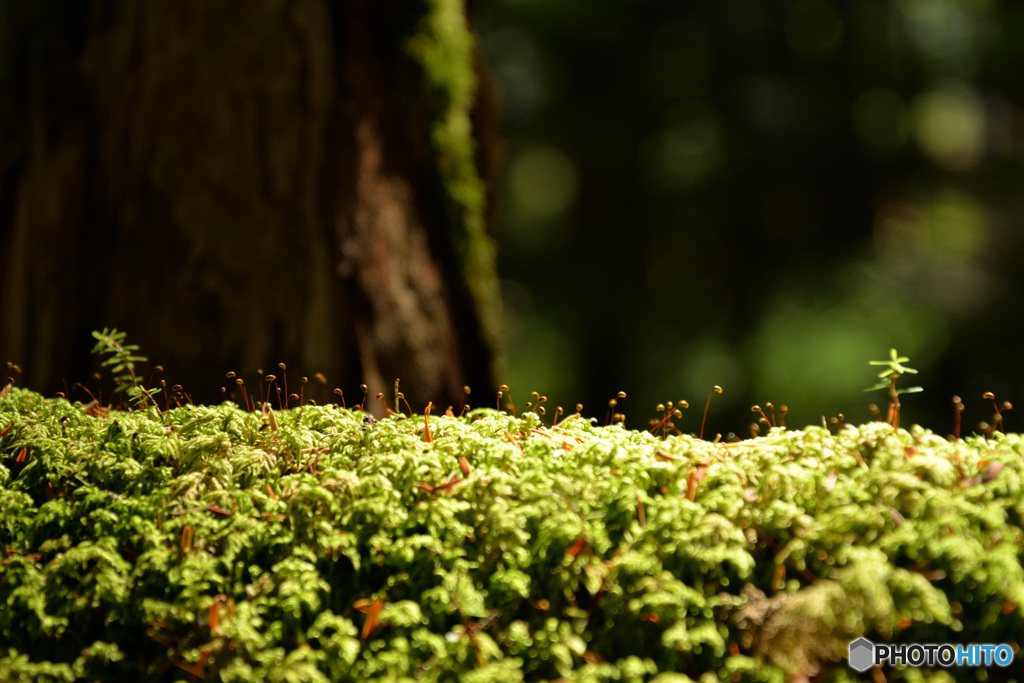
pixel 763 196
pixel 758 195
pixel 243 185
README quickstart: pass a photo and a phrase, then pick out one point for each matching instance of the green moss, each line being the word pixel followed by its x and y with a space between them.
pixel 499 548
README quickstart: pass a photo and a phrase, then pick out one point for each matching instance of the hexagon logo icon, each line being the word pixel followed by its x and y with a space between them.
pixel 862 654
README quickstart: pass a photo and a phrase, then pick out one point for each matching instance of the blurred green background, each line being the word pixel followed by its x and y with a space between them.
pixel 760 195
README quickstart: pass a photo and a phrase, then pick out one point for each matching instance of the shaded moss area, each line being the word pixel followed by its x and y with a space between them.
pixel 315 544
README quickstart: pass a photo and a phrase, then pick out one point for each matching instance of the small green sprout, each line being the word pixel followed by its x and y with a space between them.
pixel 120 356
pixel 894 369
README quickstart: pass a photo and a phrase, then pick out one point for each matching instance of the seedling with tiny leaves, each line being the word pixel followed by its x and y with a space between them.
pixel 121 359
pixel 894 369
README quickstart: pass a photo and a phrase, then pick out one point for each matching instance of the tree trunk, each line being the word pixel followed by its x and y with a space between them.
pixel 237 186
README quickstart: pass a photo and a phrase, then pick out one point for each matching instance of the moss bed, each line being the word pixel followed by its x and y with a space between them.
pixel 316 544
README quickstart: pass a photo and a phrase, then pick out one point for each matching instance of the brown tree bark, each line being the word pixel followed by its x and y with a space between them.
pixel 235 186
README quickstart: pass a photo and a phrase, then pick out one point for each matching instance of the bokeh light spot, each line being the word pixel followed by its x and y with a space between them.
pixel 685 152
pixel 958 226
pixel 946 32
pixel 542 185
pixel 950 126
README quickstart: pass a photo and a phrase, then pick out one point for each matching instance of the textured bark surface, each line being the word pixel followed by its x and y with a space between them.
pixel 234 189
